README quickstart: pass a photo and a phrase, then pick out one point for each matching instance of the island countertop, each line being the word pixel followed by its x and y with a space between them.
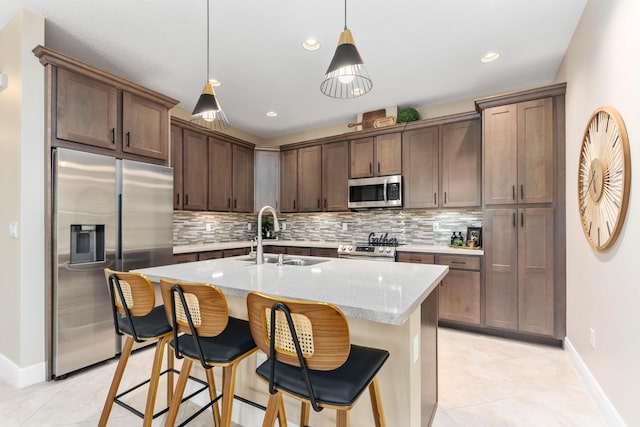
pixel 378 291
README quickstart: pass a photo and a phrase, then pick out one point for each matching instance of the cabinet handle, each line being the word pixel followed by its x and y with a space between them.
pixel 458 262
pixel 113 135
pixel 318 203
pixel 521 192
pixel 435 201
pixel 177 198
pixel 294 205
pixel 235 203
pixel 128 139
pixel 186 200
pixel 445 197
pixel 513 192
pixel 370 169
pixel 378 167
pixel 521 219
pixel 514 219
pixel 325 203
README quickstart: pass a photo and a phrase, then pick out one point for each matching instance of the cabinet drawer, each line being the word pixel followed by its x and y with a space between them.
pixel 294 250
pixel 324 252
pixel 189 257
pixel 202 256
pixel 460 262
pixel 235 252
pixel 415 257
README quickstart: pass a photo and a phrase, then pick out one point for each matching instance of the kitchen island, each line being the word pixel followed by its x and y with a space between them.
pixel 388 305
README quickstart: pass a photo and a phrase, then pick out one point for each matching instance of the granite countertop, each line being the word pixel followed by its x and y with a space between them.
pixel 378 291
pixel 319 244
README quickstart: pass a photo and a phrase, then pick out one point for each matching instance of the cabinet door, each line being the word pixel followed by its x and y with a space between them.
pixel 310 179
pixel 220 190
pixel 335 176
pixel 203 256
pixel 289 181
pixel 182 258
pixel 500 155
pixel 459 297
pixel 86 110
pixel 535 271
pixel 361 153
pixel 298 251
pixel 461 164
pixel 535 151
pixel 420 168
pixel 388 154
pixel 242 179
pixel 176 163
pixel 195 170
pixel 501 266
pixel 144 127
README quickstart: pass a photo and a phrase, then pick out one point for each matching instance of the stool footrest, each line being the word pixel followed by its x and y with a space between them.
pixel 157 414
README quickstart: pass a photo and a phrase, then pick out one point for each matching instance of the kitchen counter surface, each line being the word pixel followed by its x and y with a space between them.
pixel 378 291
pixel 319 244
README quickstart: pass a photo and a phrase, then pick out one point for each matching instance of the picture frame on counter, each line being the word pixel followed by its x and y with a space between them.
pixel 474 237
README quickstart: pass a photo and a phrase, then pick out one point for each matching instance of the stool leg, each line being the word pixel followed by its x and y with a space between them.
pixel 228 386
pixel 376 403
pixel 305 408
pixel 282 416
pixel 153 381
pixel 115 383
pixel 170 363
pixel 212 395
pixel 342 419
pixel 273 411
pixel 178 393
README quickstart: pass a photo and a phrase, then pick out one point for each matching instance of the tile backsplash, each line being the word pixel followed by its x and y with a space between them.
pixel 408 226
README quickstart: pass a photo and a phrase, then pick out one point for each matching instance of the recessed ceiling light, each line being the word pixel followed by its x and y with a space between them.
pixel 311 44
pixel 272 114
pixel 215 83
pixel 490 57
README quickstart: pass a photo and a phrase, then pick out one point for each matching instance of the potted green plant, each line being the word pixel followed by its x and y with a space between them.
pixel 267 228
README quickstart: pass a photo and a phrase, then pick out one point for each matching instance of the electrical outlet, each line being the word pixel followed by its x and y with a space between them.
pixel 283 225
pixel 416 348
pixel 13 229
pixel 208 226
pixel 344 226
pixel 249 226
pixel 592 338
pixel 436 225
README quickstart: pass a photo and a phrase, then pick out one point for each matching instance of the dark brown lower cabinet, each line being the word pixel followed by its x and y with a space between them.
pixel 189 257
pixel 459 292
pixel 520 291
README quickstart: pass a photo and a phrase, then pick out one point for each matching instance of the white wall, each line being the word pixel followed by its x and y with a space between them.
pixel 602 67
pixel 22 194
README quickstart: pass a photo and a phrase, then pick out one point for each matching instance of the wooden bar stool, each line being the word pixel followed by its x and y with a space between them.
pixel 136 317
pixel 311 358
pixel 210 336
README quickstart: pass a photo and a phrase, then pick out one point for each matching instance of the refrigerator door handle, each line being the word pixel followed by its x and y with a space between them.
pixel 119 237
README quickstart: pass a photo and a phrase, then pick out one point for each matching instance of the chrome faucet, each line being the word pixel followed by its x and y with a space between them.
pixel 276 227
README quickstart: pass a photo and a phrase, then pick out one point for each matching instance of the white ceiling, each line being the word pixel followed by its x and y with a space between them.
pixel 417 52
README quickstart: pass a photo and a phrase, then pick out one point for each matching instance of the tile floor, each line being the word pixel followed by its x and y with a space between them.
pixel 483 381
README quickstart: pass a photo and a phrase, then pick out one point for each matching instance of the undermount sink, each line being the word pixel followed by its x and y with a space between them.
pixel 301 262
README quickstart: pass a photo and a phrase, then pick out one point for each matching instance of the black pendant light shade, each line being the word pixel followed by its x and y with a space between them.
pixel 208 112
pixel 347 75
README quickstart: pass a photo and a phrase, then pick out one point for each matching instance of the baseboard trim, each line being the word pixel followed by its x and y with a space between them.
pixel 608 411
pixel 21 377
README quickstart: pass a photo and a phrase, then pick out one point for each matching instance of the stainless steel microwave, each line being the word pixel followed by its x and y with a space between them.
pixel 376 192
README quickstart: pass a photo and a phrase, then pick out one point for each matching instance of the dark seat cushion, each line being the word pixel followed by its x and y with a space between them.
pixel 233 342
pixel 150 326
pixel 340 387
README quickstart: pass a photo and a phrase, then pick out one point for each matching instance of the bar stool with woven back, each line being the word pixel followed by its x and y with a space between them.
pixel 311 358
pixel 136 317
pixel 199 312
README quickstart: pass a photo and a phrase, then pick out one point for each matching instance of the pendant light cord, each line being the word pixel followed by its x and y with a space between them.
pixel 208 36
pixel 345 14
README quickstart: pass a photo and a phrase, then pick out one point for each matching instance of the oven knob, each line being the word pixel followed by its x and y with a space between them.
pixel 349 248
pixel 388 250
pixel 340 248
pixel 380 249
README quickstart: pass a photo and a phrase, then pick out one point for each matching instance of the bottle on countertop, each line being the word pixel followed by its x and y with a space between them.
pixel 461 238
pixel 453 239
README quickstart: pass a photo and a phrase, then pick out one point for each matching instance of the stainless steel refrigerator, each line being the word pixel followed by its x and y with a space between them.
pixel 106 213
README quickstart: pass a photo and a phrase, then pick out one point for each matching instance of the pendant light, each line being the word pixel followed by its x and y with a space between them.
pixel 208 111
pixel 347 75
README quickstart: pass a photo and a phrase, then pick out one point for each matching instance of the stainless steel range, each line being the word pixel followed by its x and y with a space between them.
pixel 377 248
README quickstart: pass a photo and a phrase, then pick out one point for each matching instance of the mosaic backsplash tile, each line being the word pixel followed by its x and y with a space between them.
pixel 408 226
